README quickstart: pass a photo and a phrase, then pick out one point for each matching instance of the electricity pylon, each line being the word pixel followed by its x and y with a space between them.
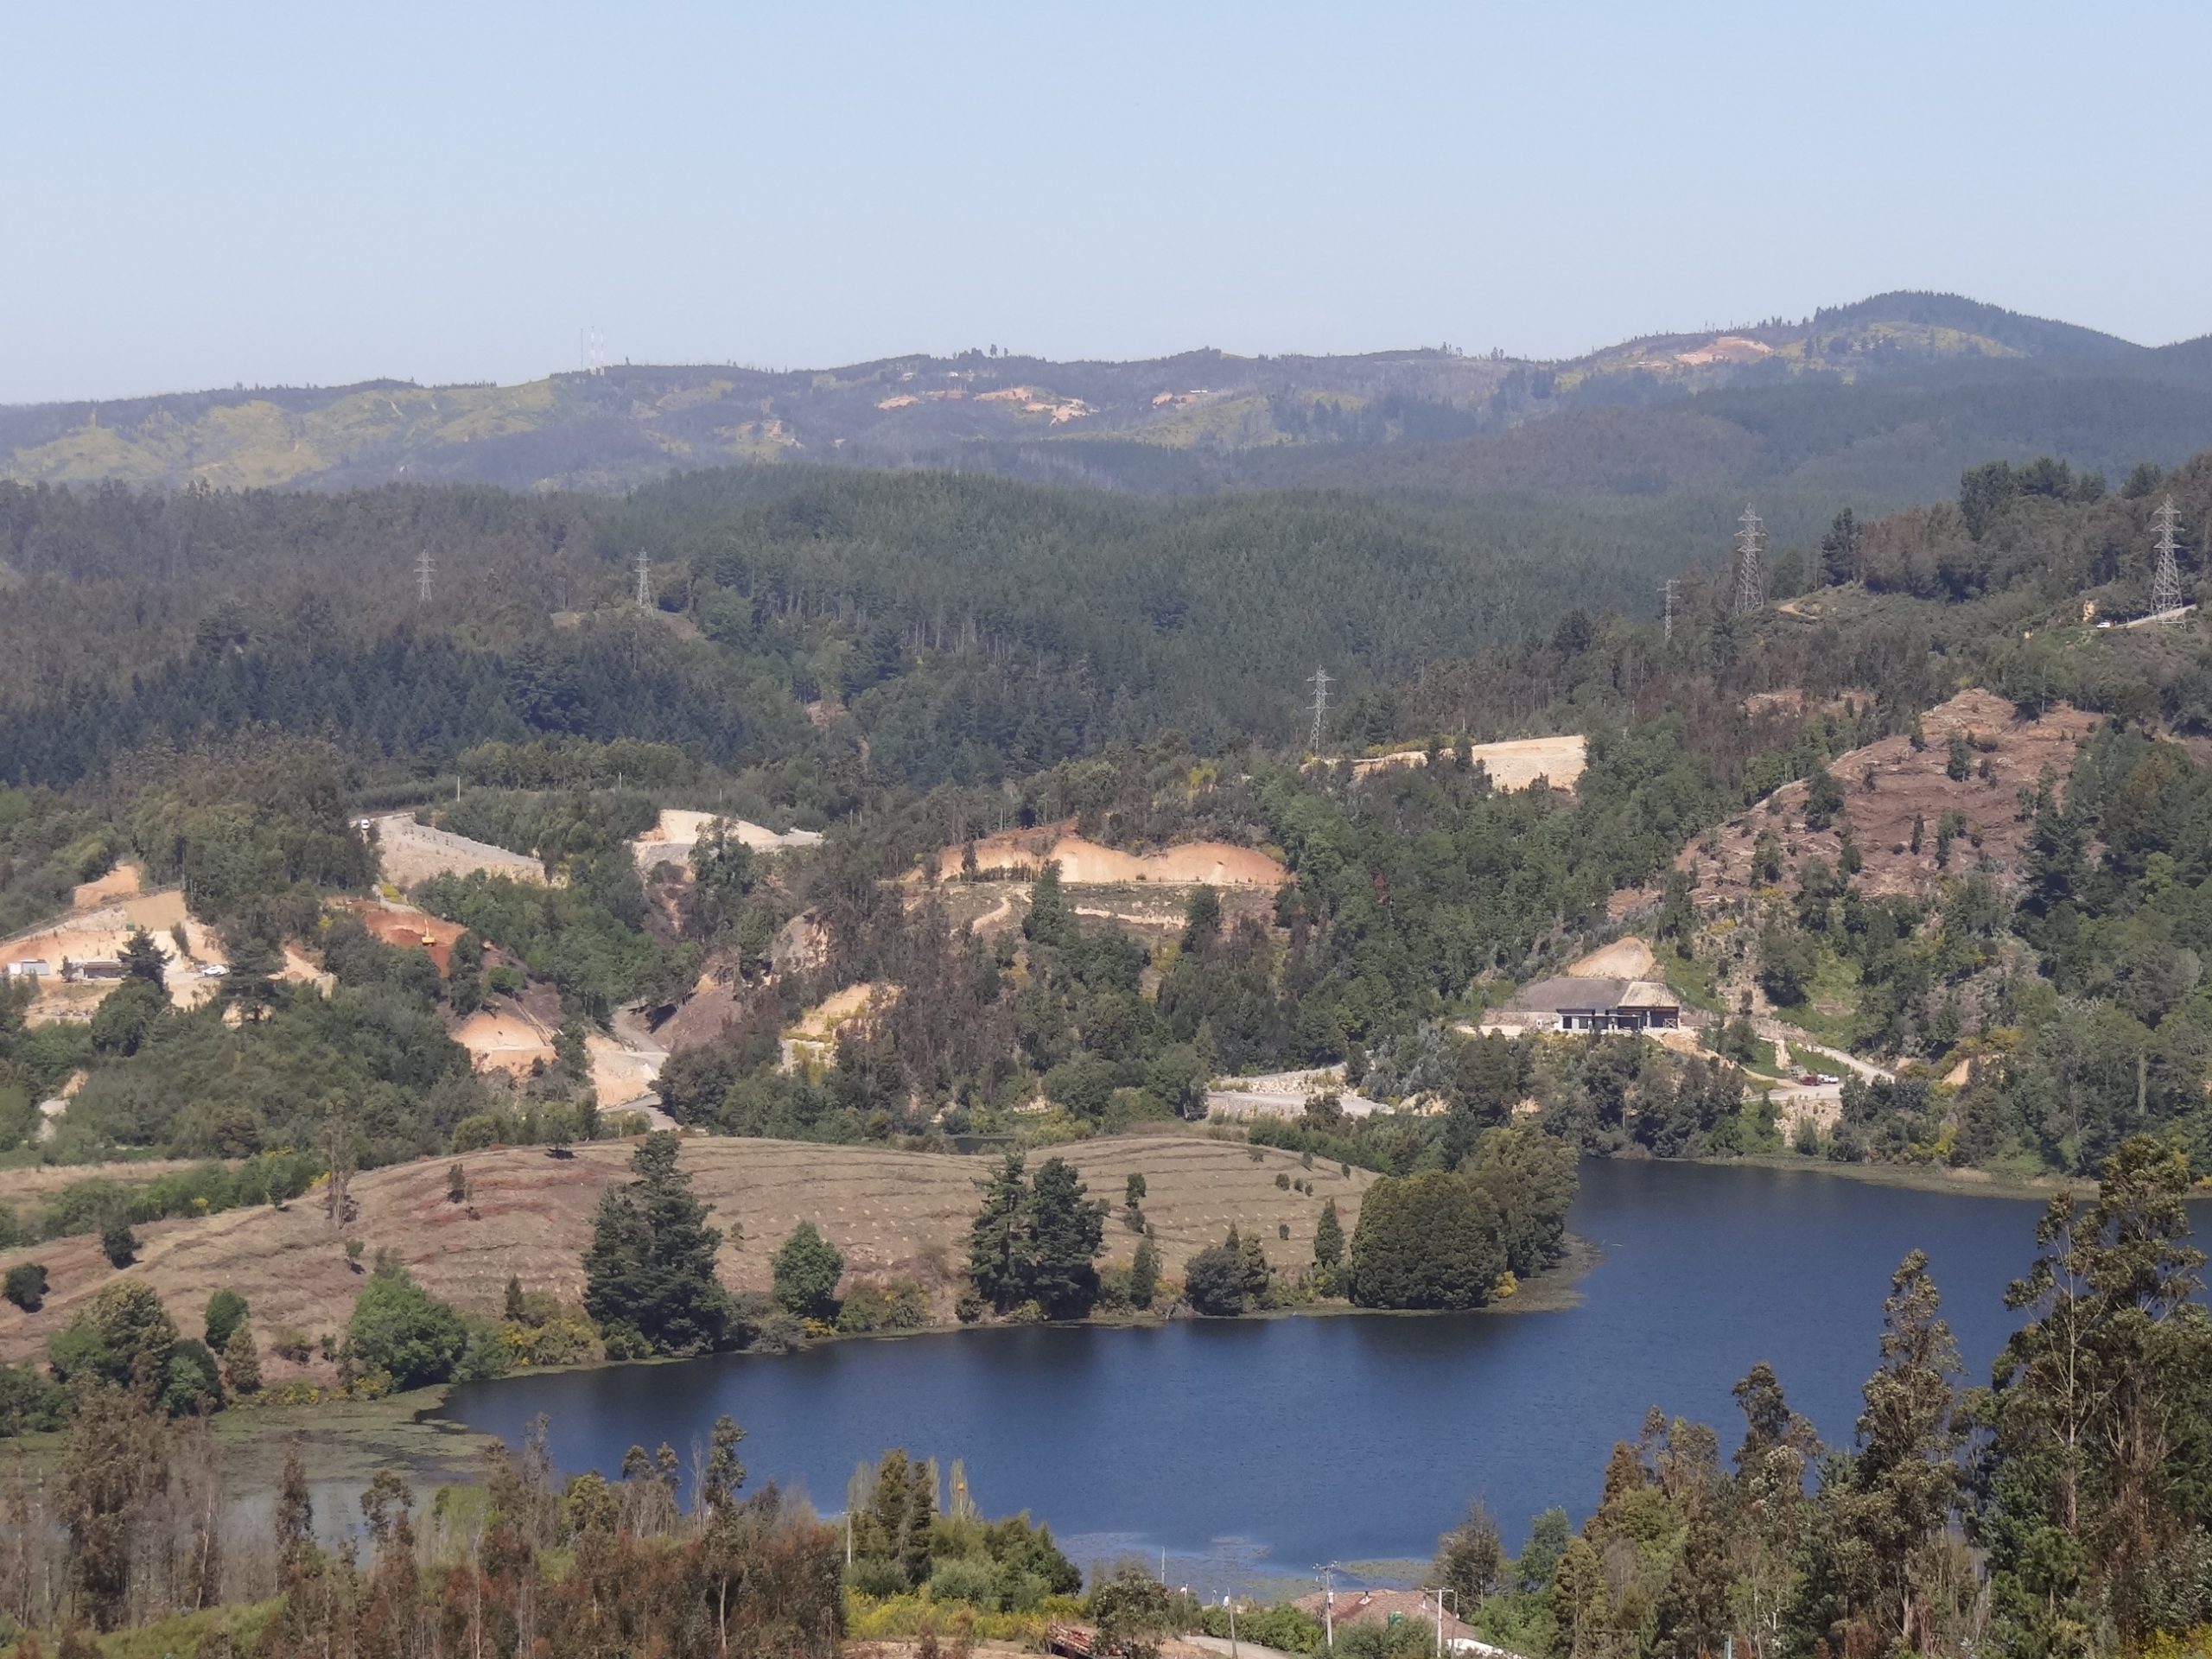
pixel 2165 578
pixel 1751 565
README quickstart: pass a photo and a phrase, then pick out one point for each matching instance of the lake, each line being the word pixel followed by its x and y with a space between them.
pixel 1252 1449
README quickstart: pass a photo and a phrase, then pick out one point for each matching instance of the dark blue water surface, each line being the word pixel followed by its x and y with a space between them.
pixel 1251 1447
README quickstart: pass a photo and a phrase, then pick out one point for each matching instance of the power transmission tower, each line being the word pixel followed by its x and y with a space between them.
pixel 1319 682
pixel 2165 580
pixel 644 581
pixel 1667 588
pixel 1751 565
pixel 425 568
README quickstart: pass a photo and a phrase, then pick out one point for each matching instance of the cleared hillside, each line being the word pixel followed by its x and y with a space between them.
pixel 894 1214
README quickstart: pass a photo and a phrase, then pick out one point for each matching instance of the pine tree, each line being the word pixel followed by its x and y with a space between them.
pixel 2099 1414
pixel 1329 1239
pixel 1067 1232
pixel 143 959
pixel 242 1362
pixel 651 1266
pixel 1144 1272
pixel 998 1241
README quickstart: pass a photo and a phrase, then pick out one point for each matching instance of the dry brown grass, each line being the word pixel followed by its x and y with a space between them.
pixel 892 1213
pixel 34 1181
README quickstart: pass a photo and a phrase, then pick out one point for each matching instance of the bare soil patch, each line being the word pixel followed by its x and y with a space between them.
pixel 1626 958
pixel 1085 862
pixel 1514 764
pixel 412 929
pixel 671 841
pixel 1907 783
pixel 125 881
pixel 504 1039
pixel 414 852
pixel 102 933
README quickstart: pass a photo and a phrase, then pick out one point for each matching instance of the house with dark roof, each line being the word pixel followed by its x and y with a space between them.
pixel 1567 1003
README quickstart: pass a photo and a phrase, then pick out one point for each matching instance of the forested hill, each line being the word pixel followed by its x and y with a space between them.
pixel 1889 398
pixel 968 626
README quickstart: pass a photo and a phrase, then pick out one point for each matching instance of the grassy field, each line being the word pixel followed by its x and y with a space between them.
pixel 528 1214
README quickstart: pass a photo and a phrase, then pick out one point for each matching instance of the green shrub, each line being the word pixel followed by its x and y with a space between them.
pixel 806 1269
pixel 26 1286
pixel 872 1308
pixel 971 1581
pixel 875 1576
pixel 399 1329
pixel 226 1310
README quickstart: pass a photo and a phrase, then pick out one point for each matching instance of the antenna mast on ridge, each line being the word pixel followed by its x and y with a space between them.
pixel 2165 579
pixel 425 568
pixel 1667 588
pixel 1751 567
pixel 1319 682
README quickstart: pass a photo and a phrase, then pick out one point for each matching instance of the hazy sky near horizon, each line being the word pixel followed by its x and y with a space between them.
pixel 200 194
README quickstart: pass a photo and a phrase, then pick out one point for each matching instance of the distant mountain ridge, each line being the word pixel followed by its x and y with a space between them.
pixel 1888 393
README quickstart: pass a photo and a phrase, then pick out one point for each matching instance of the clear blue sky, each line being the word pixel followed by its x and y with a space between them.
pixel 203 193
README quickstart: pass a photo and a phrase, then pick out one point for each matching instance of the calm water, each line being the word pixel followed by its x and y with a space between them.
pixel 1251 1448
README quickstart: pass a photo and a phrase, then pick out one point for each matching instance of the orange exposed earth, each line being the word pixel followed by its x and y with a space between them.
pixel 412 929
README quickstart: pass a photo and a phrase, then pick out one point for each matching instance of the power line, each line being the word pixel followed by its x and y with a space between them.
pixel 2165 580
pixel 425 568
pixel 1751 565
pixel 1319 682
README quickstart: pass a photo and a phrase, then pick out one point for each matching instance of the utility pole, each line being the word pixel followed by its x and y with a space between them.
pixel 1230 1601
pixel 2165 578
pixel 1667 588
pixel 1750 574
pixel 1319 682
pixel 644 581
pixel 425 568
pixel 1328 1607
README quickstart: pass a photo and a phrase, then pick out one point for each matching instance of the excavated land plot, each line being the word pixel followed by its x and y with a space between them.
pixel 892 1214
pixel 414 852
pixel 504 1039
pixel 1628 958
pixel 1085 863
pixel 103 932
pixel 1514 764
pixel 671 841
pixel 125 881
pixel 412 929
pixel 1907 783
